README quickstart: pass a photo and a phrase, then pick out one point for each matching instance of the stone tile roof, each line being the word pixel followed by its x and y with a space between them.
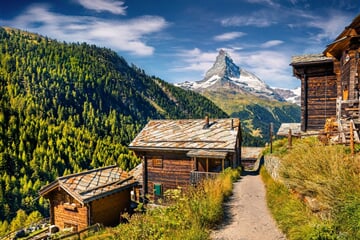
pixel 251 152
pixel 186 135
pixel 93 184
pixel 284 129
pixel 137 173
pixel 309 58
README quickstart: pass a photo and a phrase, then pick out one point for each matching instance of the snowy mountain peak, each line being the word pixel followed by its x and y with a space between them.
pixel 224 66
pixel 226 74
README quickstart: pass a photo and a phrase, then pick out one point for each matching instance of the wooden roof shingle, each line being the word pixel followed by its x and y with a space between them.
pixel 93 184
pixel 309 58
pixel 189 134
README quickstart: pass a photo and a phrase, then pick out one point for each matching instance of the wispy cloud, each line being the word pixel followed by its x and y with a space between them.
pixel 267 2
pixel 124 35
pixel 229 36
pixel 257 19
pixel 330 26
pixel 271 43
pixel 113 6
pixel 194 60
pixel 270 66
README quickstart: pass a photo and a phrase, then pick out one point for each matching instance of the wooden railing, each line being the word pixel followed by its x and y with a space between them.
pixel 77 235
pixel 196 177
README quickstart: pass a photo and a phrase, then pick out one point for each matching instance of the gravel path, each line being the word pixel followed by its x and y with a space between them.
pixel 246 214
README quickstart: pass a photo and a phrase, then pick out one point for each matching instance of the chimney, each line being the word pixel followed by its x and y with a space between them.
pixel 207 123
pixel 232 124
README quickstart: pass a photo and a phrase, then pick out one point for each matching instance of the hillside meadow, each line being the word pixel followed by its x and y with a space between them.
pixel 318 196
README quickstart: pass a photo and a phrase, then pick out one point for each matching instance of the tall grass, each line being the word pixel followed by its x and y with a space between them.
pixel 292 215
pixel 187 214
pixel 328 174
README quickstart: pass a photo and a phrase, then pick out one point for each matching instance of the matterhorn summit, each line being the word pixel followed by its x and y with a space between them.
pixel 225 74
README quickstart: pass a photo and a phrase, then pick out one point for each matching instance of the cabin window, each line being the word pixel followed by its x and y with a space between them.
pixel 70 206
pixel 157 162
pixel 158 189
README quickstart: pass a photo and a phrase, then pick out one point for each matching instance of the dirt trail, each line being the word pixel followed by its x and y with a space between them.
pixel 246 214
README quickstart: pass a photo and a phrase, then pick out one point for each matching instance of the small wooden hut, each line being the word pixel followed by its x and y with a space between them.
pixel 176 153
pixel 83 199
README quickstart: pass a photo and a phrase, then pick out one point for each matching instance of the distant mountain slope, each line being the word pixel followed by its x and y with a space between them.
pixel 290 95
pixel 241 94
pixel 68 107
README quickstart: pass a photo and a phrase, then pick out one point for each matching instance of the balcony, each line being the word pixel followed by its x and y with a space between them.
pixel 196 177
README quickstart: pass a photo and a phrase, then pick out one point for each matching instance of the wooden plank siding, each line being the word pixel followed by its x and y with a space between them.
pixel 63 214
pixel 107 210
pixel 174 172
pixel 319 100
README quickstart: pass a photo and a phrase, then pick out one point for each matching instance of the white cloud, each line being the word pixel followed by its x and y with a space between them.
pixel 115 7
pixel 229 36
pixel 195 60
pixel 331 26
pixel 271 43
pixel 123 35
pixel 257 19
pixel 270 66
pixel 268 2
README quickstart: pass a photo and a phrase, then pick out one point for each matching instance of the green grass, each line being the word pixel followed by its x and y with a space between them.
pixel 328 174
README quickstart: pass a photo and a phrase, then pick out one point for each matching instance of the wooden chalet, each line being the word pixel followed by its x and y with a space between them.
pixel 330 83
pixel 176 153
pixel 83 199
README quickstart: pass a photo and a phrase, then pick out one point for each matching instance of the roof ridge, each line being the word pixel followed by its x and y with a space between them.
pixel 86 172
pixel 191 119
pixel 118 182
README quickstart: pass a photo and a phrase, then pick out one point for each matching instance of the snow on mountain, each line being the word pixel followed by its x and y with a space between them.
pixel 290 95
pixel 226 74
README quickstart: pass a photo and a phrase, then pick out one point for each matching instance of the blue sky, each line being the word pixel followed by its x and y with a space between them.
pixel 178 40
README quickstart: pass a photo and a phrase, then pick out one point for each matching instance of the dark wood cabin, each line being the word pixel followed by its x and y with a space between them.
pixel 318 89
pixel 176 153
pixel 330 81
pixel 83 199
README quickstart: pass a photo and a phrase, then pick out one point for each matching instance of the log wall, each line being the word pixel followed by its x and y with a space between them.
pixel 319 90
pixel 107 210
pixel 66 211
pixel 172 173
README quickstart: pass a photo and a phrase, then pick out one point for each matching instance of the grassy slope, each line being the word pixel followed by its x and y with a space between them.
pixel 328 174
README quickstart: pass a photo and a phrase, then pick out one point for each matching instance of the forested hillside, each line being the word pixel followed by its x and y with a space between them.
pixel 69 107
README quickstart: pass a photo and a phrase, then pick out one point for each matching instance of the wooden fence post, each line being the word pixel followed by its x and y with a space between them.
pixel 352 147
pixel 290 138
